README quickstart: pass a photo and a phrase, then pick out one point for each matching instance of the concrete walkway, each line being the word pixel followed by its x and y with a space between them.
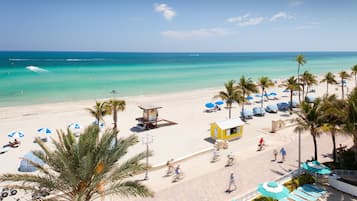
pixel 205 181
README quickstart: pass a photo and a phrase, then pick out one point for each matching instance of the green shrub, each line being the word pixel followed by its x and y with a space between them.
pixel 347 160
pixel 262 198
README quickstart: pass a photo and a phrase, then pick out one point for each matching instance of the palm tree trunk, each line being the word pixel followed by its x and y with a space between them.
pixel 291 102
pixel 343 93
pixel 298 81
pixel 315 146
pixel 243 117
pixel 307 90
pixel 303 91
pixel 115 118
pixel 355 80
pixel 229 110
pixel 262 99
pixel 327 88
pixel 334 146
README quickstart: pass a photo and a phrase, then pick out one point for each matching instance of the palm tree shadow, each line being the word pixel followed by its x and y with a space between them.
pixel 327 156
pixel 277 172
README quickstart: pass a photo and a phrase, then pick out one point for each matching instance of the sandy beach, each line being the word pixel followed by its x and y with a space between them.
pixel 189 135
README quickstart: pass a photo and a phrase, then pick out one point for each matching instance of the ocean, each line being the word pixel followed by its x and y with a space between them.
pixel 43 77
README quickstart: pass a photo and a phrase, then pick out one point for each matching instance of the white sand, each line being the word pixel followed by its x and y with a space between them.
pixel 186 108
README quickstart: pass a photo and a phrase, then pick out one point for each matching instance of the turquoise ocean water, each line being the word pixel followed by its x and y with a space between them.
pixel 42 77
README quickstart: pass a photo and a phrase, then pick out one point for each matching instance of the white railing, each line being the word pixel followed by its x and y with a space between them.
pixel 342 186
pixel 254 193
pixel 341 172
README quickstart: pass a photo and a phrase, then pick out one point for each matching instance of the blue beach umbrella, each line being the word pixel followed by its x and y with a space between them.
pixel 74 126
pixel 258 95
pixel 273 190
pixel 286 91
pixel 249 98
pixel 219 102
pixel 46 131
pixel 210 105
pixel 16 134
pixel 101 124
pixel 273 94
pixel 26 163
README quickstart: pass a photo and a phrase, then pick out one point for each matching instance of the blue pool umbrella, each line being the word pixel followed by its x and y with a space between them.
pixel 46 131
pixel 249 97
pixel 316 167
pixel 26 166
pixel 219 102
pixel 273 190
pixel 258 95
pixel 16 134
pixel 210 105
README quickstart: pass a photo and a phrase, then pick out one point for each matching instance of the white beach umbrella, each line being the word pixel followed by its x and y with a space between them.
pixel 75 128
pixel 16 134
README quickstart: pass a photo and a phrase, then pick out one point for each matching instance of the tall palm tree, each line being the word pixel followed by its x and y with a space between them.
pixel 343 75
pixel 300 59
pixel 351 116
pixel 99 110
pixel 309 119
pixel 264 82
pixel 247 86
pixel 230 95
pixel 354 72
pixel 291 85
pixel 329 78
pixel 115 106
pixel 332 118
pixel 85 169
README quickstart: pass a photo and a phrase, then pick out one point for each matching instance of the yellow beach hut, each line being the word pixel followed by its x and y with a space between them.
pixel 228 129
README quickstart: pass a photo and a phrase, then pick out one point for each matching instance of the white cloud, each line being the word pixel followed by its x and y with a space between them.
pixel 194 34
pixel 167 11
pixel 246 20
pixel 281 15
pixel 295 3
pixel 310 25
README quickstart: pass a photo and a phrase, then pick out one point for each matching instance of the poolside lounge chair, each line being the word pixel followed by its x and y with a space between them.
pixel 314 187
pixel 310 192
pixel 304 195
pixel 296 198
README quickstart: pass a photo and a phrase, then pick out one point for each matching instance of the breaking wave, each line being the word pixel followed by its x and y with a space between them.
pixel 36 69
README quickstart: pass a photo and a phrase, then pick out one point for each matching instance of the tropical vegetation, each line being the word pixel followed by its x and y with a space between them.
pixel 247 86
pixel 264 83
pixel 99 110
pixel 354 73
pixel 329 78
pixel 291 85
pixel 115 106
pixel 343 75
pixel 232 94
pixel 86 168
pixel 300 59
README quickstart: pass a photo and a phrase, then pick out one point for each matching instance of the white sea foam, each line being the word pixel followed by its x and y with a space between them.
pixel 11 59
pixel 36 69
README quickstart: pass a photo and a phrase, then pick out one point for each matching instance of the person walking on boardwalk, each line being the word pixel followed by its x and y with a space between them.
pixel 232 183
pixel 275 152
pixel 283 154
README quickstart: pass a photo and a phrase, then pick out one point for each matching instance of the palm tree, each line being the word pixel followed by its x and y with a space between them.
pixel 351 116
pixel 115 106
pixel 343 75
pixel 264 82
pixel 99 110
pixel 354 72
pixel 309 119
pixel 291 85
pixel 85 169
pixel 329 78
pixel 247 86
pixel 230 95
pixel 333 117
pixel 309 80
pixel 300 59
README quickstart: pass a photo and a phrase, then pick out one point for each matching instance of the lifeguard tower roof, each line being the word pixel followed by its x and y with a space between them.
pixel 231 123
pixel 149 107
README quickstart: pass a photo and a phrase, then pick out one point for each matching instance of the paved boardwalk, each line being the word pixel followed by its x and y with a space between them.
pixel 211 180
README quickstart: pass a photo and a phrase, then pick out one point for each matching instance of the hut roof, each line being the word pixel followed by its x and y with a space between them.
pixel 149 107
pixel 231 123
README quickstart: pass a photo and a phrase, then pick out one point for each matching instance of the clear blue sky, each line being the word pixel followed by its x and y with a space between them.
pixel 178 25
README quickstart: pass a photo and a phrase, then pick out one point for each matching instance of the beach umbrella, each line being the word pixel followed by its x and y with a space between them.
pixel 101 124
pixel 249 97
pixel 273 190
pixel 210 105
pixel 46 131
pixel 16 134
pixel 75 128
pixel 219 102
pixel 286 91
pixel 316 167
pixel 258 95
pixel 26 163
pixel 273 94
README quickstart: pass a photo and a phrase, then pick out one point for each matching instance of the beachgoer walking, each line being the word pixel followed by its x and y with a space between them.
pixel 178 174
pixel 215 155
pixel 283 154
pixel 275 152
pixel 170 167
pixel 261 144
pixel 230 157
pixel 232 183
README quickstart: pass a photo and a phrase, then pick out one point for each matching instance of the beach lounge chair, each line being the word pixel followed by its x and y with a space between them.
pixel 296 198
pixel 258 111
pixel 315 188
pixel 304 195
pixel 271 109
pixel 283 106
pixel 4 149
pixel 247 114
pixel 309 99
pixel 310 192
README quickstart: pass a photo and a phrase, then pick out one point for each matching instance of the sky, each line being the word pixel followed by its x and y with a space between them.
pixel 178 25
